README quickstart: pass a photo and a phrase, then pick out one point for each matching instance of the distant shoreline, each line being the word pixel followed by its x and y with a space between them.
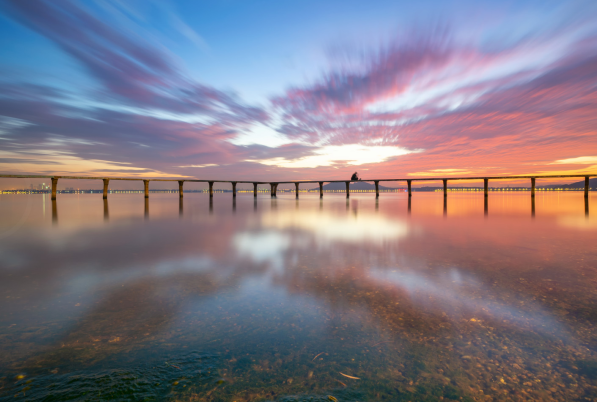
pixel 315 190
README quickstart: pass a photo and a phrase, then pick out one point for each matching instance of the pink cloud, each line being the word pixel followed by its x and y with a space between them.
pixel 517 122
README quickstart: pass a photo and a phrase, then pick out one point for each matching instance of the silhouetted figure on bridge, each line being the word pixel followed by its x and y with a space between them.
pixel 355 177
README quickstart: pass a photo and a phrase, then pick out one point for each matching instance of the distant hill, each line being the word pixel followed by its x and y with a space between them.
pixel 578 184
pixel 357 185
pixel 371 186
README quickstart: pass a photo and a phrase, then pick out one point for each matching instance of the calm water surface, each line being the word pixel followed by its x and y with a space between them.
pixel 308 300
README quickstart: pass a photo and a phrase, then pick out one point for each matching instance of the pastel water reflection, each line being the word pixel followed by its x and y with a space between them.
pixel 279 299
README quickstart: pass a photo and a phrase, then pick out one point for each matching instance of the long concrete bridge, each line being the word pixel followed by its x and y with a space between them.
pixel 274 185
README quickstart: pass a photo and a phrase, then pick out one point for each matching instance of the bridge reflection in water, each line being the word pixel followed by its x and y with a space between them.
pixel 211 207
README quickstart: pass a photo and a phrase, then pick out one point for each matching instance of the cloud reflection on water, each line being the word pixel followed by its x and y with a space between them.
pixel 578 222
pixel 264 246
pixel 450 291
pixel 328 227
pixel 366 275
pixel 461 295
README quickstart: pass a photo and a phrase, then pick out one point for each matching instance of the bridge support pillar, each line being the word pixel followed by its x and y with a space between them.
pixel 272 189
pixel 376 188
pixel 347 189
pixel 255 190
pixel 211 189
pixel 532 187
pixel 445 187
pixel 297 189
pixel 485 187
pixel 409 183
pixel 586 186
pixel 106 181
pixel 54 185
pixel 233 189
pixel 146 185
pixel 320 189
pixel 180 184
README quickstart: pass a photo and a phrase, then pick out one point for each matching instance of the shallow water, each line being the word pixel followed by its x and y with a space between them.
pixel 308 300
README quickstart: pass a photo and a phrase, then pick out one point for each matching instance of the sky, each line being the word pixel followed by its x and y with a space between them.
pixel 298 90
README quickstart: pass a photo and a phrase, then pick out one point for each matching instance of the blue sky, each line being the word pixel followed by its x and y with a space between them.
pixel 294 89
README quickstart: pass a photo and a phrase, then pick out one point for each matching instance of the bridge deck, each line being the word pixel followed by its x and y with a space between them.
pixel 274 184
pixel 185 179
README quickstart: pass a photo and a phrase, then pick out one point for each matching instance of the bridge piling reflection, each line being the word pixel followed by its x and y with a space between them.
pixel 106 210
pixel 445 206
pixel 54 212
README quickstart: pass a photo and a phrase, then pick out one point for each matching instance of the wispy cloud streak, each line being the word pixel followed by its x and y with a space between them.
pixel 463 106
